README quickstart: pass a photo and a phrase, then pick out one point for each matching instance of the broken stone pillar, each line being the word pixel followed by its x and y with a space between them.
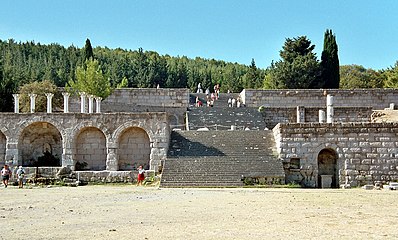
pixel 49 102
pixel 16 103
pixel 329 109
pixel 66 102
pixel 322 116
pixel 90 103
pixel 300 114
pixel 111 160
pixel 326 181
pixel 98 104
pixel 392 106
pixel 32 102
pixel 82 102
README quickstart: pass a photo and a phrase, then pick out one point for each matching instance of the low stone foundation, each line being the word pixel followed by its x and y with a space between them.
pixel 105 176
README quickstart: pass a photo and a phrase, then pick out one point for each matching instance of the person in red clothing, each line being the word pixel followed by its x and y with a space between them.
pixel 141 176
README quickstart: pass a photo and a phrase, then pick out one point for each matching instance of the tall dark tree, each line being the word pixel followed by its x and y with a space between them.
pixel 88 51
pixel 252 78
pixel 330 61
pixel 299 67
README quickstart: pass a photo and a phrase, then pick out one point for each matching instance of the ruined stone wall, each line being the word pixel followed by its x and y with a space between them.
pixel 376 98
pixel 366 152
pixel 274 115
pixel 91 138
pixel 3 142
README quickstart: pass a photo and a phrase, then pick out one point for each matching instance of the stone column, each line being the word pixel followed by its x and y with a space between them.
pixel 66 101
pixel 49 102
pixel 300 114
pixel 322 116
pixel 90 103
pixel 98 104
pixel 16 103
pixel 82 102
pixel 329 109
pixel 112 160
pixel 32 102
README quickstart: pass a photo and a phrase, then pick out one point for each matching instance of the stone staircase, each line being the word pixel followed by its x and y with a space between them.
pixel 220 158
pixel 221 117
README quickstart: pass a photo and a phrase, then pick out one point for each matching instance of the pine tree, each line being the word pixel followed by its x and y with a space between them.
pixel 330 61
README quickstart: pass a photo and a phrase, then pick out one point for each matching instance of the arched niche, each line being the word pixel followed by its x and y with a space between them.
pixel 327 167
pixel 90 149
pixel 134 149
pixel 40 144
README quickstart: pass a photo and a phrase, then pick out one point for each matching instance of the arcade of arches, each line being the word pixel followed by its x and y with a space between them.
pixel 98 142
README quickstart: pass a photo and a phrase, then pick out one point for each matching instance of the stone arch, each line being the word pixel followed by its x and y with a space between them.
pixel 134 149
pixel 119 131
pixel 3 143
pixel 90 149
pixel 173 121
pixel 40 144
pixel 327 168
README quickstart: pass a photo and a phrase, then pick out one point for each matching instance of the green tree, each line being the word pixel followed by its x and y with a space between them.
pixel 330 62
pixel 391 75
pixel 252 77
pixel 124 83
pixel 88 50
pixel 299 67
pixel 40 89
pixel 91 80
pixel 356 76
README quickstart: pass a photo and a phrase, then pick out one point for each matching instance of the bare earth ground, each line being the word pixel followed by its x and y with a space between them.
pixel 129 212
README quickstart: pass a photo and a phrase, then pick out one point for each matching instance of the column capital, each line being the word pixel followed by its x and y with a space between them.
pixel 82 94
pixel 49 95
pixel 15 95
pixel 66 94
pixel 32 95
pixel 98 98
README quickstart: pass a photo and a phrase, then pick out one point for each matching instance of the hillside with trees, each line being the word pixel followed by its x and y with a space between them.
pixel 98 70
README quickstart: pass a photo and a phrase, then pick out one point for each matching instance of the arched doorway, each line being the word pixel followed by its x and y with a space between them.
pixel 40 145
pixel 90 150
pixel 327 166
pixel 134 149
pixel 3 142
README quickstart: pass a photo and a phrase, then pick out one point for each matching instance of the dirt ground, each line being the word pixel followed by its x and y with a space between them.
pixel 130 212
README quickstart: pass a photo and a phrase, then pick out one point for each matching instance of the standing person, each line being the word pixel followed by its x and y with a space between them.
pixel 141 176
pixel 20 175
pixel 5 175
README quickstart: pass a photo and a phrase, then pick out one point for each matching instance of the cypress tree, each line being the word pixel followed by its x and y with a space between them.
pixel 88 51
pixel 330 61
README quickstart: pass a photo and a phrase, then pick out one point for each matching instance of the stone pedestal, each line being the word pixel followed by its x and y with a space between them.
pixel 326 181
pixel 300 114
pixel 322 116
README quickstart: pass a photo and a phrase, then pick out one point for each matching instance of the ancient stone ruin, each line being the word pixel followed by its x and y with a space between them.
pixel 315 138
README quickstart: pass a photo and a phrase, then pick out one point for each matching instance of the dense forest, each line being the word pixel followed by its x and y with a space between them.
pixel 24 63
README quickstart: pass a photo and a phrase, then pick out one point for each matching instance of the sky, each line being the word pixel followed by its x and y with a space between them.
pixel 230 30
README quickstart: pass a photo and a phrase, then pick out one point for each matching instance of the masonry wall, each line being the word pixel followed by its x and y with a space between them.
pixel 91 138
pixel 367 152
pixel 375 98
pixel 274 115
